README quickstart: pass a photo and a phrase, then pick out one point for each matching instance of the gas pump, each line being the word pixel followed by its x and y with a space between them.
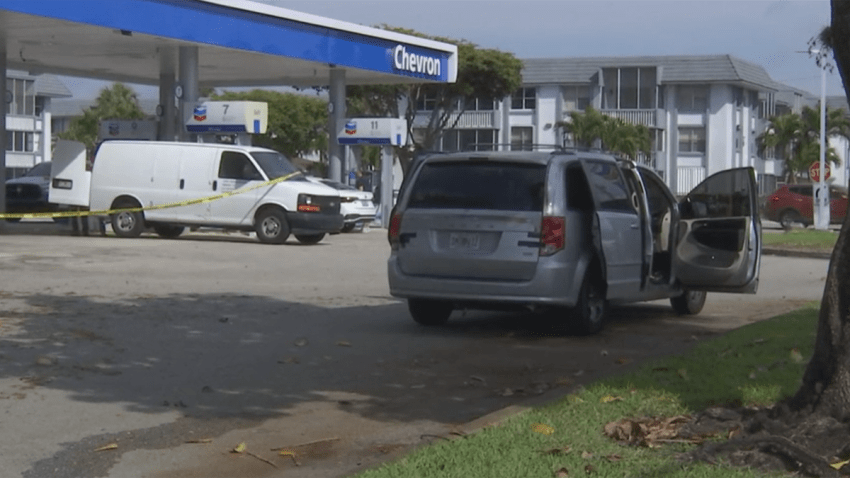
pixel 235 119
pixel 384 132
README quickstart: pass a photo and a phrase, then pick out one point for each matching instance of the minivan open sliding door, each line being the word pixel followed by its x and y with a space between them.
pixel 718 247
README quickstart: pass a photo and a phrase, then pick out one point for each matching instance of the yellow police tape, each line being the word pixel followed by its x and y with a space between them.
pixel 107 212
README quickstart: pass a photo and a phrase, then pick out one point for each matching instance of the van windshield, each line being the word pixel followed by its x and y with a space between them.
pixel 274 164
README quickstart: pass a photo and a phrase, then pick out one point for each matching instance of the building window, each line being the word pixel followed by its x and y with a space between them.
pixel 524 99
pixel 426 102
pixel 22 97
pixel 692 140
pixel 480 104
pixel 629 88
pixel 19 141
pixel 576 98
pixel 522 138
pixel 692 99
pixel 469 140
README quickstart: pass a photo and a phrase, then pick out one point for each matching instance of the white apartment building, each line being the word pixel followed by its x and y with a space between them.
pixel 705 113
pixel 28 119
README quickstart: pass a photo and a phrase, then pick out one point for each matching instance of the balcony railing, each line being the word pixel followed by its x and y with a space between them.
pixel 474 120
pixel 644 117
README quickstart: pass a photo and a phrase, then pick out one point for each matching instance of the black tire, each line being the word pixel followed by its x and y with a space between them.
pixel 128 223
pixel 310 238
pixel 347 228
pixel 788 218
pixel 167 231
pixel 689 303
pixel 271 226
pixel 589 312
pixel 429 312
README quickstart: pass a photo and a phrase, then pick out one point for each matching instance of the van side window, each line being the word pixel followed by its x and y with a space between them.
pixel 608 187
pixel 237 166
pixel 578 191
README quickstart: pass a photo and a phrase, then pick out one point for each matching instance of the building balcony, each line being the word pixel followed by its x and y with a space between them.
pixel 466 120
pixel 648 118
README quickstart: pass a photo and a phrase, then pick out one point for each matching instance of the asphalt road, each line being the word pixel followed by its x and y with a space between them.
pixel 177 351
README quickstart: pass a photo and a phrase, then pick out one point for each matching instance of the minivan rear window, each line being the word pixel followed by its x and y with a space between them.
pixel 479 185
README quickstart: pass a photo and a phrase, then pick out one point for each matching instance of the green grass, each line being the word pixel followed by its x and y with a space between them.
pixel 755 365
pixel 802 239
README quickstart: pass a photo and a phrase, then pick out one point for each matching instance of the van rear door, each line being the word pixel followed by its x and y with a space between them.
pixel 473 219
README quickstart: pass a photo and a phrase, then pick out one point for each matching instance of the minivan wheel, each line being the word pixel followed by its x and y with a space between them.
pixel 128 223
pixel 271 227
pixel 429 312
pixel 788 218
pixel 310 238
pixel 167 231
pixel 589 312
pixel 689 303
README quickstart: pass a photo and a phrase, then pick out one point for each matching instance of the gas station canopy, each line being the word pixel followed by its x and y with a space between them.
pixel 240 43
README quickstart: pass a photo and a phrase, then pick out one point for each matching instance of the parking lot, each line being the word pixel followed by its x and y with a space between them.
pixel 176 351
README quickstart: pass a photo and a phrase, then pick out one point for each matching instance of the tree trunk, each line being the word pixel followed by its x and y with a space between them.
pixel 826 383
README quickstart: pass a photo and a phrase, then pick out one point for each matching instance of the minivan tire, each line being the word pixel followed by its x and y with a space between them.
pixel 689 303
pixel 310 238
pixel 128 223
pixel 429 312
pixel 271 227
pixel 589 313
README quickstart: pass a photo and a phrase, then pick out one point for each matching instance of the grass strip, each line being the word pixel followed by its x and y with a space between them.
pixel 802 239
pixel 758 364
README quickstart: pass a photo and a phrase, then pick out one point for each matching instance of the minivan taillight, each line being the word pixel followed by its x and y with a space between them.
pixel 552 235
pixel 394 230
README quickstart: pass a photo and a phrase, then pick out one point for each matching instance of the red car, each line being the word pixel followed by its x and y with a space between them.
pixel 793 203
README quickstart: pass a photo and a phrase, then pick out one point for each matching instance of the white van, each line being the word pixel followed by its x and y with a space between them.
pixel 149 174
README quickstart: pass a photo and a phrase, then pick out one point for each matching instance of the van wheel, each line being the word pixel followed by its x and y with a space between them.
pixel 689 303
pixel 128 223
pixel 310 238
pixel 271 227
pixel 168 232
pixel 429 312
pixel 589 312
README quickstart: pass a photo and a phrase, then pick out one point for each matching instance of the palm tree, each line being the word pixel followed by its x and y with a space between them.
pixel 593 129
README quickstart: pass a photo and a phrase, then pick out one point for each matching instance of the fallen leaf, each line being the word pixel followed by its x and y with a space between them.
pixel 609 399
pixel 589 469
pixel 240 448
pixel 291 454
pixel 477 378
pixel 624 360
pixel 614 458
pixel 647 431
pixel 111 446
pixel 200 440
pixel 585 455
pixel 840 464
pixel 542 428
pixel 562 473
pixel 506 392
pixel 344 343
pixel 796 356
pixel 575 399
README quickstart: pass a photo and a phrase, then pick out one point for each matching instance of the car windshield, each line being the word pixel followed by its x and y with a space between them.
pixel 274 164
pixel 479 185
pixel 41 169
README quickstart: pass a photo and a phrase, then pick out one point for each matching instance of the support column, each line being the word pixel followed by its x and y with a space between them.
pixel 336 119
pixel 3 126
pixel 188 57
pixel 46 132
pixel 167 130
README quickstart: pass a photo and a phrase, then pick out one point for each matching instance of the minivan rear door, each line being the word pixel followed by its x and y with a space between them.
pixel 473 219
pixel 719 234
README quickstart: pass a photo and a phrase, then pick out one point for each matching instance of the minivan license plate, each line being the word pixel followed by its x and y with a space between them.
pixel 467 241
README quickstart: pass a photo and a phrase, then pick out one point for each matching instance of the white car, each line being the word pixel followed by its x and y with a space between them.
pixel 356 206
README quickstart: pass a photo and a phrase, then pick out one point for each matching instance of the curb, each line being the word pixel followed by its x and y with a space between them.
pixel 796 253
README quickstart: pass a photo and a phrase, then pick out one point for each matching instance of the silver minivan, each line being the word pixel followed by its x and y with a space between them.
pixel 566 231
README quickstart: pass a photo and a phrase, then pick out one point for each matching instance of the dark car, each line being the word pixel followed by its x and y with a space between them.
pixel 29 192
pixel 794 203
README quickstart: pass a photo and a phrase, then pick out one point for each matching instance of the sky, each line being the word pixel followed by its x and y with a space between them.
pixel 770 33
